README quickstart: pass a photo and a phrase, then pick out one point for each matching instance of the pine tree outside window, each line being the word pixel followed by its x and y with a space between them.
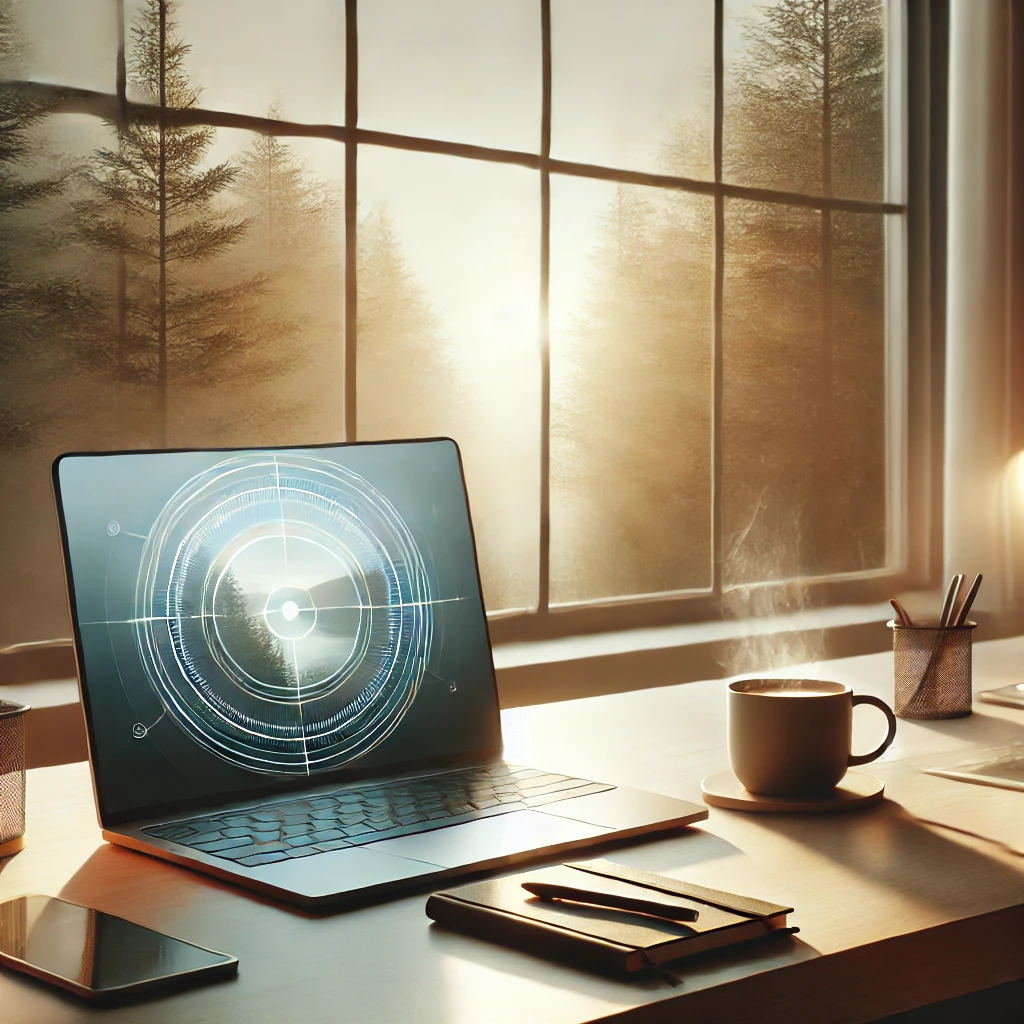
pixel 646 262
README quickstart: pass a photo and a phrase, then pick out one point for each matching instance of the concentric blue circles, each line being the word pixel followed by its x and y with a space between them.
pixel 283 612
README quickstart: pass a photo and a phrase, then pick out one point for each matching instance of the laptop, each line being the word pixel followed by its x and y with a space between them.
pixel 287 677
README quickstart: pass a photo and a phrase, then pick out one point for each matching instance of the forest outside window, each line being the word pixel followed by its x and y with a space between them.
pixel 643 260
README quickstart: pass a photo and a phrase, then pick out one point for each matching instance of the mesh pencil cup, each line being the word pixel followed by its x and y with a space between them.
pixel 12 777
pixel 931 670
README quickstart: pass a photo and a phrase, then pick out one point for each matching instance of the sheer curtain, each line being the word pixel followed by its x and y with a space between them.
pixel 983 516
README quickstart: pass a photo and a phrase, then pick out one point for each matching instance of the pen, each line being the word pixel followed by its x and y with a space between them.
pixel 945 618
pixel 901 613
pixel 965 607
pixel 548 891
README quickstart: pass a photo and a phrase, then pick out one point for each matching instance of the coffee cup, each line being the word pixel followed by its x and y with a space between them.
pixel 792 737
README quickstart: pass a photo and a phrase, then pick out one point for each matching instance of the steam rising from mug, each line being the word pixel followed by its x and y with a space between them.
pixel 765 608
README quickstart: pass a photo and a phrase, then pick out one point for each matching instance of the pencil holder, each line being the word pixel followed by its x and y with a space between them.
pixel 932 670
pixel 12 777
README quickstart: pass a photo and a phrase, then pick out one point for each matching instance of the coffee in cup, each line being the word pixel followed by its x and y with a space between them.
pixel 791 737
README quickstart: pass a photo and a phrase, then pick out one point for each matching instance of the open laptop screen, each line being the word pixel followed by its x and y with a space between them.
pixel 250 620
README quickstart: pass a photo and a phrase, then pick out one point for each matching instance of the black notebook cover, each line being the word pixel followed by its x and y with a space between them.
pixel 611 940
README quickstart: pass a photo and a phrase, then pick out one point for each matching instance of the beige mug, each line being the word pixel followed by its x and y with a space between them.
pixel 791 737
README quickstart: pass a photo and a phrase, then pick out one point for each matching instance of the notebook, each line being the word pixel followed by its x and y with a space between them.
pixel 616 941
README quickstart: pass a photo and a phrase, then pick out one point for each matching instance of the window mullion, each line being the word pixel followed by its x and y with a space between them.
pixel 822 538
pixel 718 380
pixel 544 566
pixel 351 199
pixel 122 262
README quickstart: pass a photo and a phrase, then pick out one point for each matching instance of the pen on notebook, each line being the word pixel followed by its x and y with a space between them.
pixel 669 911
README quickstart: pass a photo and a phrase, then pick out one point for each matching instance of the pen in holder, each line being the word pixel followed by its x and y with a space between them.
pixel 12 777
pixel 931 670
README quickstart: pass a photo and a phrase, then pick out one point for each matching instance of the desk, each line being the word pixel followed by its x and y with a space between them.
pixel 897 905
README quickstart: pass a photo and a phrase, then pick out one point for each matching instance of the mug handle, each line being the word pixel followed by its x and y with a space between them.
pixel 861 698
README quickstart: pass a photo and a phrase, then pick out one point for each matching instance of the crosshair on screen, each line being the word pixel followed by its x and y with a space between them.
pixel 283 612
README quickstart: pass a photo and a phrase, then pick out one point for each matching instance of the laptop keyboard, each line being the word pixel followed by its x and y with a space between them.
pixel 369 813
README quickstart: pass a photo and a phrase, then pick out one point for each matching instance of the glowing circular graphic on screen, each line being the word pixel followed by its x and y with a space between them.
pixel 283 612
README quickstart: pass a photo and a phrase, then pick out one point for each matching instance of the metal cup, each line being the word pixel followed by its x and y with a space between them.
pixel 931 670
pixel 12 777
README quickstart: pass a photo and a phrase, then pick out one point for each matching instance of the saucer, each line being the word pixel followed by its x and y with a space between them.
pixel 855 790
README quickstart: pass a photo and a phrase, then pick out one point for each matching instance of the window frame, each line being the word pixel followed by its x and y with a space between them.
pixel 916 36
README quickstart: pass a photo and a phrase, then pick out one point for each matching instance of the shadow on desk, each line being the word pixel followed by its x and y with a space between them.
pixel 905 854
pixel 1000 1005
pixel 986 730
pixel 693 973
pixel 114 876
pixel 115 870
pixel 929 875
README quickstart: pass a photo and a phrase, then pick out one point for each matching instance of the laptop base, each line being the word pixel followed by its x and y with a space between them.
pixel 391 867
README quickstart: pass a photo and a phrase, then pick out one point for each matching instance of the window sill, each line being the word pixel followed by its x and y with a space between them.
pixel 536 672
pixel 539 672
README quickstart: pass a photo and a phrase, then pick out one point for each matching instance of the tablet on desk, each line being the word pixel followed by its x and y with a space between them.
pixel 98 956
pixel 1011 696
pixel 991 766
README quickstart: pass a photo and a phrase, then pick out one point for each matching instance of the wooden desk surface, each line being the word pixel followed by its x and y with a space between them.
pixel 898 905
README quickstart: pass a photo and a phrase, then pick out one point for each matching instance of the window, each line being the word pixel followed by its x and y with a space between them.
pixel 645 262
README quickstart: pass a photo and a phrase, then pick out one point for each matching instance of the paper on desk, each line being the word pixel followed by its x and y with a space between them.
pixel 992 766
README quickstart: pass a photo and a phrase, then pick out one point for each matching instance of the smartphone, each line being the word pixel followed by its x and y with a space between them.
pixel 1012 696
pixel 98 956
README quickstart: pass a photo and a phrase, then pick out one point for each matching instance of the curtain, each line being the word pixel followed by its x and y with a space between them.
pixel 983 514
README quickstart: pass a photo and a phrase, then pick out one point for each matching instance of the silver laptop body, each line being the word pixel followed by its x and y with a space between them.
pixel 287 678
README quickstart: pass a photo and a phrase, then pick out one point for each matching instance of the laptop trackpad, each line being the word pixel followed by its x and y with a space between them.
pixel 342 871
pixel 491 838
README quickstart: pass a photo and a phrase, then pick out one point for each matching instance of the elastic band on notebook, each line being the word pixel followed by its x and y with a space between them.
pixel 658 970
